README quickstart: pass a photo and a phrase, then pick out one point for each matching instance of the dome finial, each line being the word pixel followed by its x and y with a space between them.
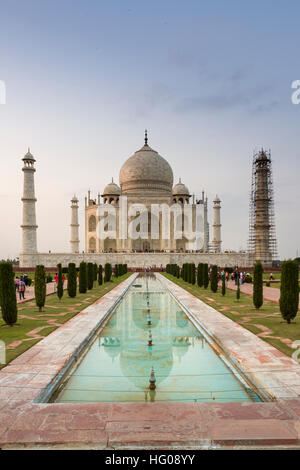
pixel 146 137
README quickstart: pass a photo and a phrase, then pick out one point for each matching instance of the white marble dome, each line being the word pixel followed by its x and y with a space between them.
pixel 180 189
pixel 112 189
pixel 146 171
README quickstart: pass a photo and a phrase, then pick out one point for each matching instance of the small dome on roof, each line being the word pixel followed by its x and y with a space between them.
pixel 29 156
pixel 112 189
pixel 180 189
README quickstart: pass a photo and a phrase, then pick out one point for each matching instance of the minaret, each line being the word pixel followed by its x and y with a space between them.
pixel 29 244
pixel 74 242
pixel 216 238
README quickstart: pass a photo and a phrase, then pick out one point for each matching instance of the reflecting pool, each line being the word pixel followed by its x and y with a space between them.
pixel 118 364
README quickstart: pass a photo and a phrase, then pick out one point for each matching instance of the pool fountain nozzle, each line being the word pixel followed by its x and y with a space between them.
pixel 152 380
pixel 150 339
pixel 149 318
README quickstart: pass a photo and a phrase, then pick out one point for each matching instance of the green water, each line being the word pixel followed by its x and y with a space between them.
pixel 118 364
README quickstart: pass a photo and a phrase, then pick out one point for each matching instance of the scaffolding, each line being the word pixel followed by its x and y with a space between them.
pixel 262 243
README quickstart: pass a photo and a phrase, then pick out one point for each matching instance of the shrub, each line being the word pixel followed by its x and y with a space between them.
pixel 8 299
pixel 268 284
pixel 214 278
pixel 193 274
pixel 258 285
pixel 116 272
pixel 48 279
pixel 248 279
pixel 289 290
pixel 40 286
pixel 82 278
pixel 90 276
pixel 200 275
pixel 223 284
pixel 95 271
pixel 72 280
pixel 60 289
pixel 205 276
pixel 107 272
pixel 100 275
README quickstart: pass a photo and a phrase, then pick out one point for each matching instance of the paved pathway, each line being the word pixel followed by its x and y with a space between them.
pixel 29 292
pixel 270 293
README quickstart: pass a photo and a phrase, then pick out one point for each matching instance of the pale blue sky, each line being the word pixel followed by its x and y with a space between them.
pixel 210 80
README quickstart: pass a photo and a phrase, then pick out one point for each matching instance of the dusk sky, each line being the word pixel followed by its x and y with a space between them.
pixel 210 80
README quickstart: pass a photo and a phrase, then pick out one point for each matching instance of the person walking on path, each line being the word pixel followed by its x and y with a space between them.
pixel 21 290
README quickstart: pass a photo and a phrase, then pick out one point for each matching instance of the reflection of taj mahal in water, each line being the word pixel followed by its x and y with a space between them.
pixel 171 339
pixel 151 350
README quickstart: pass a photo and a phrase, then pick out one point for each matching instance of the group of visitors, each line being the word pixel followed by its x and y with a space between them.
pixel 20 285
pixel 238 275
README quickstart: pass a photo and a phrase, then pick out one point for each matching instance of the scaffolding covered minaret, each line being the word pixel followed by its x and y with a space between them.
pixel 262 236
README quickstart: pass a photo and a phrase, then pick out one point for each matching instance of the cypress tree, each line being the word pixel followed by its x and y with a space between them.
pixel 100 275
pixel 90 276
pixel 8 300
pixel 60 290
pixel 40 286
pixel 95 271
pixel 82 278
pixel 223 284
pixel 178 271
pixel 193 274
pixel 214 278
pixel 72 280
pixel 116 273
pixel 258 285
pixel 289 290
pixel 107 272
pixel 205 275
pixel 200 275
pixel 238 291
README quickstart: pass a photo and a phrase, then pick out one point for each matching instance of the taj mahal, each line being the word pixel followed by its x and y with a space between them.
pixel 145 178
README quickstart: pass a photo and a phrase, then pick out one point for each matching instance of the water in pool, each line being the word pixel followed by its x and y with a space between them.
pixel 118 364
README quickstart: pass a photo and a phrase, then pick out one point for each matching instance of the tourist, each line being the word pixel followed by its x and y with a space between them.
pixel 17 280
pixel 271 277
pixel 21 289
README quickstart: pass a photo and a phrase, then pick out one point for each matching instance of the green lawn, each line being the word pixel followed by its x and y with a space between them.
pixel 246 315
pixel 51 312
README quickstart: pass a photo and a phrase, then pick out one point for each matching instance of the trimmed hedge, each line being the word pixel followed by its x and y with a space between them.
pixel 72 280
pixel 60 289
pixel 40 286
pixel 214 278
pixel 107 272
pixel 82 278
pixel 8 300
pixel 90 276
pixel 205 276
pixel 258 299
pixel 289 290
pixel 100 275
